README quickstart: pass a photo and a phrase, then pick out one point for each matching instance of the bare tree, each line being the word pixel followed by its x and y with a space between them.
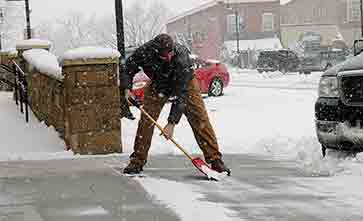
pixel 142 22
pixel 12 24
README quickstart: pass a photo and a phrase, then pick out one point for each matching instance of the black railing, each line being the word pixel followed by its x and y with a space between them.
pixel 21 90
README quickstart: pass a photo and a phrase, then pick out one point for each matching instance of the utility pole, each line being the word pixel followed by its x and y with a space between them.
pixel 361 17
pixel 237 29
pixel 27 14
pixel 120 30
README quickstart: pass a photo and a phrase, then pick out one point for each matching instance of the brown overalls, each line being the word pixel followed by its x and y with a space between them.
pixel 197 117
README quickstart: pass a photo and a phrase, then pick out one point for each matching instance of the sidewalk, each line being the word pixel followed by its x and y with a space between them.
pixel 82 189
pixel 93 189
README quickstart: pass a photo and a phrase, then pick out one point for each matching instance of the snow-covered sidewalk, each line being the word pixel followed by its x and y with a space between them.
pixel 20 140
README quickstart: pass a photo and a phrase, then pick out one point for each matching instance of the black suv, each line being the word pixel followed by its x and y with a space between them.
pixel 282 60
pixel 339 108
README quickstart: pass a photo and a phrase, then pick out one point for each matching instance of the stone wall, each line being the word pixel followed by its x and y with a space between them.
pixel 80 99
pixel 92 106
pixel 46 98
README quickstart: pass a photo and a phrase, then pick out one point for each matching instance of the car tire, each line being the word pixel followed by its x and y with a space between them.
pixel 215 88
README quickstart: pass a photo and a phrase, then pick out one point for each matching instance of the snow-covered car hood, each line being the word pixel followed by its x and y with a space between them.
pixel 353 63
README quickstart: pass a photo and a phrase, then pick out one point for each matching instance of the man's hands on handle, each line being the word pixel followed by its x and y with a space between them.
pixel 125 109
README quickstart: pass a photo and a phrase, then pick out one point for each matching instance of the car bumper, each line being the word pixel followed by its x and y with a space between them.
pixel 337 125
pixel 339 135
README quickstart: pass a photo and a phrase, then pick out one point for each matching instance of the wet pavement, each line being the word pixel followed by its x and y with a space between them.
pixel 93 189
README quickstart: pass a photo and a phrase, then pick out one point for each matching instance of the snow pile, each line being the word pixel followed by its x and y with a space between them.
pixel 44 61
pixel 20 141
pixel 26 44
pixel 212 174
pixel 90 53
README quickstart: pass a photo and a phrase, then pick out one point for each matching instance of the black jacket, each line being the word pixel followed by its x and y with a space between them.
pixel 170 79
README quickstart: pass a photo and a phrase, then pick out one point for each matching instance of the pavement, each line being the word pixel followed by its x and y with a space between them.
pixel 93 189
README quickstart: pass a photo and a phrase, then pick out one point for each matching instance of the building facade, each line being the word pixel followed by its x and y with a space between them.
pixel 331 19
pixel 207 27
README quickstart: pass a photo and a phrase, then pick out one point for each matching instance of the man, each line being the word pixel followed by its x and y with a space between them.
pixel 169 67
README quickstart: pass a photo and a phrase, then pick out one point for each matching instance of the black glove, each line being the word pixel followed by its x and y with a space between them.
pixel 125 108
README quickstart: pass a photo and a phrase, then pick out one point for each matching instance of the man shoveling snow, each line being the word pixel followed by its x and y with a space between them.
pixel 169 67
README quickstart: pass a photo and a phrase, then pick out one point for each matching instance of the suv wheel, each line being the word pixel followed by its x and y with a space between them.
pixel 215 88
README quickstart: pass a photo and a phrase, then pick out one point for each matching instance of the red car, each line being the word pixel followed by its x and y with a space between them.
pixel 212 76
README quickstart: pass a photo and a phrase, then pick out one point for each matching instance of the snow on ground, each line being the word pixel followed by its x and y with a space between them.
pixel 268 114
pixel 186 200
pixel 26 141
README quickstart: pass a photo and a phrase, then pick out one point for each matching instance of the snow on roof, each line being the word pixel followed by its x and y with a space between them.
pixel 214 3
pixel 90 52
pixel 259 44
pixel 26 44
pixel 283 2
pixel 44 61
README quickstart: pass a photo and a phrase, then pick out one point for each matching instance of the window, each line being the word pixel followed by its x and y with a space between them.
pixel 267 22
pixel 353 10
pixel 231 23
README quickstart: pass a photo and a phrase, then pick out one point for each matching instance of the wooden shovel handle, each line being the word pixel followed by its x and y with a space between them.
pixel 162 130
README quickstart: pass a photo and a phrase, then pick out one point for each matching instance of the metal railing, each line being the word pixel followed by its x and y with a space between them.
pixel 21 90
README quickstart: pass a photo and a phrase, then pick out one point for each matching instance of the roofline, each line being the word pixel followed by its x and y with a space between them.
pixel 211 4
pixel 194 10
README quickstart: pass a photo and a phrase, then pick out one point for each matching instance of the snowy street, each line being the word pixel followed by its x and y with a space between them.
pixel 265 127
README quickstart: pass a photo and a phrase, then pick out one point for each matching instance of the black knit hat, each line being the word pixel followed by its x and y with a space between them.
pixel 164 42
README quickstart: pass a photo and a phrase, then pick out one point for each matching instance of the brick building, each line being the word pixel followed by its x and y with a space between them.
pixel 331 19
pixel 207 27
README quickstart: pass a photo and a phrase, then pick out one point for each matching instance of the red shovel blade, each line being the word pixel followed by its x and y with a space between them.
pixel 204 168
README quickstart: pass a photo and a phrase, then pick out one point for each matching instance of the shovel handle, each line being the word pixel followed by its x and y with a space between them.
pixel 162 130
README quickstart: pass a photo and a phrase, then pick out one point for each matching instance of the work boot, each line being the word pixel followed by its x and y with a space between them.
pixel 219 166
pixel 134 167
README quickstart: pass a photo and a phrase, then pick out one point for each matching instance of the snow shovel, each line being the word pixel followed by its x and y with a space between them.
pixel 197 162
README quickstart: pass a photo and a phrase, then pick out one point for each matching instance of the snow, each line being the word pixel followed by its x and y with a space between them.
pixel 212 174
pixel 269 114
pixel 90 52
pixel 21 141
pixel 213 61
pixel 354 63
pixel 44 61
pixel 26 44
pixel 259 44
pixel 186 200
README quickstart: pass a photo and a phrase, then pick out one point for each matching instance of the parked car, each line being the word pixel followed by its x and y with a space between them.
pixel 212 77
pixel 321 60
pixel 339 108
pixel 282 60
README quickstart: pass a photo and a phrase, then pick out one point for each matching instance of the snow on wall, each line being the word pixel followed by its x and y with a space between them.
pixel 45 62
pixel 25 44
pixel 90 52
